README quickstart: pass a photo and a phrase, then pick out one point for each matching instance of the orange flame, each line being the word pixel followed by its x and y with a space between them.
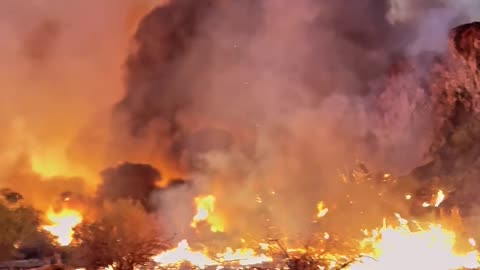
pixel 439 198
pixel 205 212
pixel 184 254
pixel 436 200
pixel 245 256
pixel 62 224
pixel 401 247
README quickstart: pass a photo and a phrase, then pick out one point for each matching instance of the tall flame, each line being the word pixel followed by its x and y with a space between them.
pixel 205 212
pixel 62 224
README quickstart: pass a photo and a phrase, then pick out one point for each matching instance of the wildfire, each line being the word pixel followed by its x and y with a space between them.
pixel 401 247
pixel 321 209
pixel 184 254
pixel 62 224
pixel 205 212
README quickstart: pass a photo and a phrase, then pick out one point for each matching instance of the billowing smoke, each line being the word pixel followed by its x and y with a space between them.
pixel 191 77
pixel 249 98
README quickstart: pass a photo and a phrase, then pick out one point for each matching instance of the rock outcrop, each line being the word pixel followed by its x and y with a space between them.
pixel 455 150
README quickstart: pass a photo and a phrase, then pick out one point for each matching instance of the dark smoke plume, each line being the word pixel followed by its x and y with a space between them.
pixel 129 181
pixel 280 95
pixel 200 65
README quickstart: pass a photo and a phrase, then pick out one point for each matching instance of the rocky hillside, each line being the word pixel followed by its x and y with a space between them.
pixel 455 151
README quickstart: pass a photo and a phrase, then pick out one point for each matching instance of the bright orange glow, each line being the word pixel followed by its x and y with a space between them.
pixel 48 167
pixel 53 162
pixel 244 257
pixel 62 224
pixel 436 200
pixel 181 254
pixel 472 242
pixel 321 210
pixel 401 247
pixel 205 213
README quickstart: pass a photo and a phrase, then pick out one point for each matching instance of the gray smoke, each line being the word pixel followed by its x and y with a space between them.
pixel 249 98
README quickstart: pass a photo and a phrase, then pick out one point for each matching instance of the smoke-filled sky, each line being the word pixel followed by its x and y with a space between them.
pixel 263 95
pixel 61 70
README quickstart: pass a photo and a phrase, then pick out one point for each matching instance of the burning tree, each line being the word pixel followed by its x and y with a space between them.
pixel 122 236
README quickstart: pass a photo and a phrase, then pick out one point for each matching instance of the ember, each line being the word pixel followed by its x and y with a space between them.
pixel 241 134
pixel 414 247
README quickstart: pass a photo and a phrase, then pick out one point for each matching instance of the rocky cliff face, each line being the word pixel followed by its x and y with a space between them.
pixel 455 101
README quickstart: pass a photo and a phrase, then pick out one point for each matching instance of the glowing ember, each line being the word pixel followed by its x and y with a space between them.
pixel 62 224
pixel 403 248
pixel 321 209
pixel 439 198
pixel 183 254
pixel 205 212
pixel 408 197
